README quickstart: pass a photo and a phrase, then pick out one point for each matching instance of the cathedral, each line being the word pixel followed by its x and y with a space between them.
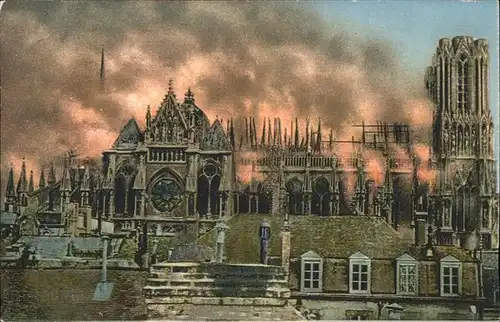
pixel 181 173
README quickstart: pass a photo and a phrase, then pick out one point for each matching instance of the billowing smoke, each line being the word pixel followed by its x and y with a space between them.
pixel 260 59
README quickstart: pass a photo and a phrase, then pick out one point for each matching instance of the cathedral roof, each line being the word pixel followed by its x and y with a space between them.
pixel 129 136
pixel 216 138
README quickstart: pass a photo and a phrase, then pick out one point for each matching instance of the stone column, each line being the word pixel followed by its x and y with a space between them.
pixel 285 249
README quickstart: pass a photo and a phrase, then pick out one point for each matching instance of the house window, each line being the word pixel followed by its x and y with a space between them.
pixel 357 315
pixel 312 273
pixel 451 276
pixel 359 273
pixel 407 275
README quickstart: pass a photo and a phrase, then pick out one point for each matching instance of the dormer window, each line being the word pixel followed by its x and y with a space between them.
pixel 407 275
pixel 451 276
pixel 312 273
pixel 359 273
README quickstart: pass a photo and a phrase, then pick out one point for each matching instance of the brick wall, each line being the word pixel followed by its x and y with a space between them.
pixel 67 295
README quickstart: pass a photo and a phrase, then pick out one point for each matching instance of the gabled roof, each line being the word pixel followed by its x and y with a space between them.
pixel 358 255
pixel 216 138
pixel 310 255
pixel 129 136
pixel 449 258
pixel 170 107
pixel 329 237
pixel 405 258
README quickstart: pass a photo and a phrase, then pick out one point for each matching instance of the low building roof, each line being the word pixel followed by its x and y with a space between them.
pixel 330 237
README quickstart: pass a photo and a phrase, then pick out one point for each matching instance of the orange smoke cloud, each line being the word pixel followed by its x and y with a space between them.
pixel 425 172
pixel 375 166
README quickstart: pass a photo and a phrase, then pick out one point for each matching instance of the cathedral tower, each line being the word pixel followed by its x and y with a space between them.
pixel 462 147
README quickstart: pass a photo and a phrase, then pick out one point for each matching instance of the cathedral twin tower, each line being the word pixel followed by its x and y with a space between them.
pixel 463 198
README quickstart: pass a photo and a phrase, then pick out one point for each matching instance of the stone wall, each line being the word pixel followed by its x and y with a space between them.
pixel 176 287
pixel 343 309
pixel 383 277
pixel 66 294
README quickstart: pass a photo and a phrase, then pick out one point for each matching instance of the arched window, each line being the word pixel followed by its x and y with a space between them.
pixel 460 139
pixel 120 193
pixel 208 189
pixel 462 86
pixel 467 143
pixel 321 197
pixel 265 198
pixel 343 197
pixel 124 193
pixel 485 215
pixel 243 201
pixel 294 188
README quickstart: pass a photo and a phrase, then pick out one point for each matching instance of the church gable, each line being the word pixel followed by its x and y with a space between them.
pixel 169 113
pixel 216 138
pixel 129 136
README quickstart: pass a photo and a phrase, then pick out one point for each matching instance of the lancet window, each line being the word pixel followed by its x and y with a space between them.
pixel 124 194
pixel 208 189
pixel 321 197
pixel 294 189
pixel 463 74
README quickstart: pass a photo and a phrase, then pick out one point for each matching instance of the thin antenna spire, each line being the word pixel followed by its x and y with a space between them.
pixel 102 76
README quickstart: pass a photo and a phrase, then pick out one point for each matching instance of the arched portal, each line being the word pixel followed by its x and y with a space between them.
pixel 294 188
pixel 321 197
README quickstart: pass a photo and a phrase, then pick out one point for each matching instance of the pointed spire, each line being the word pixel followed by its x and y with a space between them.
pixel 170 87
pixel 318 138
pixel 330 145
pixel 102 76
pixel 307 132
pixel 66 178
pixel 246 131
pixel 231 132
pixel 279 131
pixel 275 131
pixel 148 118
pixel 41 182
pixel 52 175
pixel 31 184
pixel 254 131
pixel 22 185
pixel 263 137
pixel 189 96
pixel 296 132
pixel 269 131
pixel 10 192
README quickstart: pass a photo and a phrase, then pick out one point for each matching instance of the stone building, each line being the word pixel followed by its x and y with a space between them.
pixel 181 173
pixel 354 267
pixel 463 201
